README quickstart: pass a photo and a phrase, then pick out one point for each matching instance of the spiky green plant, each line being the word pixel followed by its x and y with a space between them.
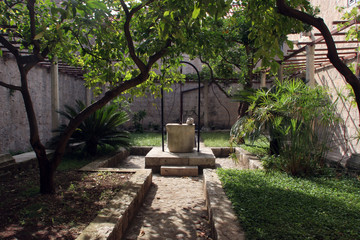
pixel 101 128
pixel 295 118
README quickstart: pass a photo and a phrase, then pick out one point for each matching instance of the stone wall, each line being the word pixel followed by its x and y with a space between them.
pixel 217 111
pixel 343 141
pixel 221 111
pixel 14 127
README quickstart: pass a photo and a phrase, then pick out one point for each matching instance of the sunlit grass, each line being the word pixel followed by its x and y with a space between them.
pixel 216 139
pixel 145 139
pixel 277 206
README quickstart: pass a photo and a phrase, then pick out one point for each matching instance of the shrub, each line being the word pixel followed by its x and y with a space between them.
pixel 137 119
pixel 101 128
pixel 295 118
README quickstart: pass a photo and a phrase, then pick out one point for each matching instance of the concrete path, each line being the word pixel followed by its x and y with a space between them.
pixel 174 207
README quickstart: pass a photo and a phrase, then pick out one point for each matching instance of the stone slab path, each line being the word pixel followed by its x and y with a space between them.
pixel 174 207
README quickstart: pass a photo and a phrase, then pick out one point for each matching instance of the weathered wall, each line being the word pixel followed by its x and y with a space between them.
pixel 222 112
pixel 14 130
pixel 343 140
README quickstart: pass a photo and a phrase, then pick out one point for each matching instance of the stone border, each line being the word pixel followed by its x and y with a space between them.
pixel 113 220
pixel 250 161
pixel 223 221
pixel 222 152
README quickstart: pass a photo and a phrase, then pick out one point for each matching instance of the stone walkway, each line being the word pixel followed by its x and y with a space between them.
pixel 174 207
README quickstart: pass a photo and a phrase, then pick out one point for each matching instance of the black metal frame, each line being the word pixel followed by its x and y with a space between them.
pixel 162 109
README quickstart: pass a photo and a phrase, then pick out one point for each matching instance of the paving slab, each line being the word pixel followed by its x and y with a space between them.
pixel 179 171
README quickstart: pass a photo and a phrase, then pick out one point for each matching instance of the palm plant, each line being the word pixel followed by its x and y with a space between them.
pixel 101 128
pixel 295 118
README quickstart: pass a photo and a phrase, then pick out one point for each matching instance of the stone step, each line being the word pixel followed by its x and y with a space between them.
pixel 180 171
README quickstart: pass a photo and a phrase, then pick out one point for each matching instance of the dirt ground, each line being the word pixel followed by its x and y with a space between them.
pixel 26 214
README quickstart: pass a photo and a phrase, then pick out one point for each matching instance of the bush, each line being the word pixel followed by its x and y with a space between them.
pixel 295 118
pixel 101 128
pixel 137 119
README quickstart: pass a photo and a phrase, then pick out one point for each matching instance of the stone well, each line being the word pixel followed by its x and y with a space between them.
pixel 180 137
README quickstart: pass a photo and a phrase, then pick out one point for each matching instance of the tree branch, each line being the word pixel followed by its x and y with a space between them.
pixel 31 7
pixel 159 54
pixel 332 51
pixel 9 47
pixel 226 60
pixel 140 64
pixel 211 70
pixel 10 86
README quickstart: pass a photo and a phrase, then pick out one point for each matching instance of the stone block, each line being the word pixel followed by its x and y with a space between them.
pixel 179 171
pixel 180 137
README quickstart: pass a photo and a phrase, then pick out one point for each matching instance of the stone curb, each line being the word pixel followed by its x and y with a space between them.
pixel 113 220
pixel 250 161
pixel 222 152
pixel 223 221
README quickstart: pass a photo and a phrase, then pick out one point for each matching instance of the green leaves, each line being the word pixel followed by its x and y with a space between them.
pixel 196 12
pixel 269 29
pixel 294 115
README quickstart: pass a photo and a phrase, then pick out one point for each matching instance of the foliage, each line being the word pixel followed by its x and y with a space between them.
pixel 223 46
pixel 259 147
pixel 277 206
pixel 296 118
pixel 137 119
pixel 101 128
pixel 269 29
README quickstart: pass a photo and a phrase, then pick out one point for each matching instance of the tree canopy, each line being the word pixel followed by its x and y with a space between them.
pixel 116 42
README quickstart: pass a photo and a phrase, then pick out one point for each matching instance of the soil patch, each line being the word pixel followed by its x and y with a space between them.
pixel 26 214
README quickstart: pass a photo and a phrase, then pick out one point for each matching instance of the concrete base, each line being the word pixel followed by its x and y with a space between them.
pixel 157 158
pixel 180 171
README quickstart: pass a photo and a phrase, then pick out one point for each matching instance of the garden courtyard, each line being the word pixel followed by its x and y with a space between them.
pixel 192 119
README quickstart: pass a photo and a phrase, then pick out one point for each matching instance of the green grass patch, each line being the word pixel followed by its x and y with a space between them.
pixel 259 147
pixel 277 206
pixel 216 139
pixel 145 139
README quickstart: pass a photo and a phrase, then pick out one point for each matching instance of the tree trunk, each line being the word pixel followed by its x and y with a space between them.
pixel 244 106
pixel 47 175
pixel 242 109
pixel 45 167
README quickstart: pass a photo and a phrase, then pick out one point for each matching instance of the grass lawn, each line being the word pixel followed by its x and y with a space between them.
pixel 145 139
pixel 215 139
pixel 211 139
pixel 277 206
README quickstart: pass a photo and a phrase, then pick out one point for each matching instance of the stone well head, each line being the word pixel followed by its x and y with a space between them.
pixel 180 137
